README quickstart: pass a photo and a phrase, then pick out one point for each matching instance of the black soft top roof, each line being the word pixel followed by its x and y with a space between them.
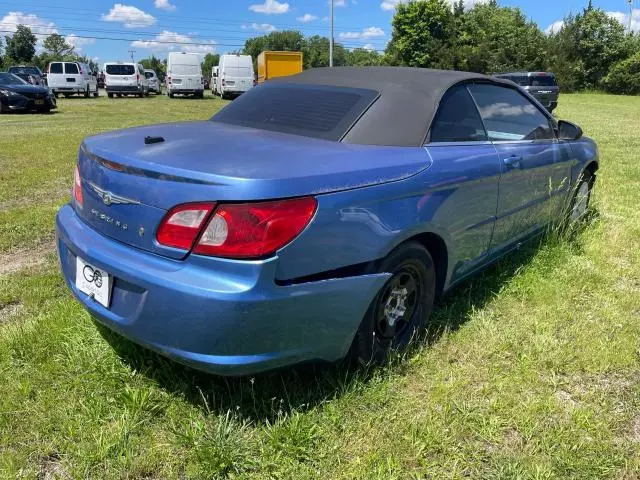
pixel 408 99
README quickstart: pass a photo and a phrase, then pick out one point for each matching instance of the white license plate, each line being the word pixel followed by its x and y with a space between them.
pixel 93 281
pixel 39 102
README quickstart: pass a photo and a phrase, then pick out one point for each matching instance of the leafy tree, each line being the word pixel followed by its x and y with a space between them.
pixel 422 33
pixel 287 40
pixel 586 47
pixel 361 57
pixel 210 61
pixel 492 39
pixel 624 77
pixel 21 47
pixel 57 47
pixel 154 64
pixel 316 52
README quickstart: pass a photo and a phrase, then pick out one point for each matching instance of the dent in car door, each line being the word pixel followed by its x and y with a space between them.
pixel 527 147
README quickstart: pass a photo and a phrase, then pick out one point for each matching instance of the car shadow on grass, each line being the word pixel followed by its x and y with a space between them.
pixel 267 397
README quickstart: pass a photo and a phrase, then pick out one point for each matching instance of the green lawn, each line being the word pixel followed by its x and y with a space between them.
pixel 532 371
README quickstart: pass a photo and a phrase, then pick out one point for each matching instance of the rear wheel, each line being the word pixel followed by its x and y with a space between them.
pixel 171 95
pixel 402 307
pixel 87 92
pixel 109 94
pixel 96 93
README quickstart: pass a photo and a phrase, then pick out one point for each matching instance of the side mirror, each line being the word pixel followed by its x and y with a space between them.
pixel 568 130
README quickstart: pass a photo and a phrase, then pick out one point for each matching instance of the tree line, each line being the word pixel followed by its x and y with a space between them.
pixel 591 50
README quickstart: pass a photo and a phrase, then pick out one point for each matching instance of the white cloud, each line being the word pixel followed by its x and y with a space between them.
pixel 338 3
pixel 259 27
pixel 307 17
pixel 623 18
pixel 171 41
pixel 164 5
pixel 270 7
pixel 370 32
pixel 130 17
pixel 369 47
pixel 78 42
pixel 10 22
pixel 555 27
pixel 392 4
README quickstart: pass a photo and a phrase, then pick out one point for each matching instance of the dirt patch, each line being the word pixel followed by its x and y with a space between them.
pixel 634 435
pixel 9 310
pixel 13 262
pixel 50 468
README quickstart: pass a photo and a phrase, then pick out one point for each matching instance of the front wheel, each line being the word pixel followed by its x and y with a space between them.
pixel 401 308
pixel 581 197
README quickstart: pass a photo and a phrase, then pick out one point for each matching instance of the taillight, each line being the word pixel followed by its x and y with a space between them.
pixel 181 226
pixel 77 187
pixel 253 230
pixel 138 77
pixel 169 79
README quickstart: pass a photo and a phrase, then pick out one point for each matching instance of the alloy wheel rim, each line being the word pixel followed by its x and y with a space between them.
pixel 398 302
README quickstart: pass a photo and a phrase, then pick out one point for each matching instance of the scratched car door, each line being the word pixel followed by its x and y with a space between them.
pixel 526 143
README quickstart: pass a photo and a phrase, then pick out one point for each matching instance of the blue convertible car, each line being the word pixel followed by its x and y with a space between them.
pixel 317 216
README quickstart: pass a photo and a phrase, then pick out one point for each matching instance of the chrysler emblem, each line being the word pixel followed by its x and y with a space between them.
pixel 109 198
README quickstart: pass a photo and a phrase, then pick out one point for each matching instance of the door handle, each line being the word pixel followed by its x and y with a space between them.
pixel 514 161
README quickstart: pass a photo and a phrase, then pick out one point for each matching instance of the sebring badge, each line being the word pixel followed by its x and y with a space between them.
pixel 109 198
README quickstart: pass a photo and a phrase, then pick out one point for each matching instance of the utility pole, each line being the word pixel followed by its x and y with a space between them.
pixel 132 52
pixel 630 14
pixel 331 37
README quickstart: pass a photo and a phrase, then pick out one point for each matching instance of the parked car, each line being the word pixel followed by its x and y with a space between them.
pixel 236 75
pixel 18 95
pixel 154 81
pixel 184 75
pixel 69 78
pixel 541 85
pixel 319 228
pixel 29 74
pixel 214 80
pixel 125 78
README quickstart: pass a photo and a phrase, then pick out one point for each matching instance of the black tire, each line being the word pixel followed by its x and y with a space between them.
pixel 171 95
pixel 55 94
pixel 109 94
pixel 87 93
pixel 581 197
pixel 96 94
pixel 377 336
pixel 3 109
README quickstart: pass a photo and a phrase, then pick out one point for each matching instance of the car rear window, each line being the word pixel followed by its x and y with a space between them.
pixel 542 81
pixel 148 74
pixel 312 111
pixel 120 69
pixel 71 68
pixel 185 69
pixel 55 68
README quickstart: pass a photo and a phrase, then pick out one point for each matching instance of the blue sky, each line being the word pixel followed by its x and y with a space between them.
pixel 158 26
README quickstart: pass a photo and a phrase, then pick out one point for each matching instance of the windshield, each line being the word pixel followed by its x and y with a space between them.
pixel 24 70
pixel 10 79
pixel 116 69
pixel 312 111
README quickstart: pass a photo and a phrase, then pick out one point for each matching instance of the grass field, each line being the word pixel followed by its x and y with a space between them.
pixel 532 369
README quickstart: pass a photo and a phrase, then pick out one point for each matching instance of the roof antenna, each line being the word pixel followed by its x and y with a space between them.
pixel 149 140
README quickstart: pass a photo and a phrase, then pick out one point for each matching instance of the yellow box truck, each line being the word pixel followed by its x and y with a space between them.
pixel 278 64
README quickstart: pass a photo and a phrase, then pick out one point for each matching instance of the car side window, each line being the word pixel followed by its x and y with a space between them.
pixel 55 68
pixel 71 68
pixel 510 116
pixel 457 119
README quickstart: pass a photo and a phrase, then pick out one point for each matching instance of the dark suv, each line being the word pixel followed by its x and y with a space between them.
pixel 31 75
pixel 542 85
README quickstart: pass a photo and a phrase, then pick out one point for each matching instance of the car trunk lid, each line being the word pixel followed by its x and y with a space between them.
pixel 129 185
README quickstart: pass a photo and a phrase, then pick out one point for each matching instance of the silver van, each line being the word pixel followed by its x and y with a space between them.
pixel 541 85
pixel 70 78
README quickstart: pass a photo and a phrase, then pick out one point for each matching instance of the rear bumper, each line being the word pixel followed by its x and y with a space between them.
pixel 182 91
pixel 221 316
pixel 27 104
pixel 123 89
pixel 74 89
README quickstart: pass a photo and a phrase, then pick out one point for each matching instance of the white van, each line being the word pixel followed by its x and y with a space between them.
pixel 71 78
pixel 214 80
pixel 184 75
pixel 125 78
pixel 235 74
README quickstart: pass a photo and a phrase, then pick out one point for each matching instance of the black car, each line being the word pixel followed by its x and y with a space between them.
pixel 16 94
pixel 542 85
pixel 31 75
